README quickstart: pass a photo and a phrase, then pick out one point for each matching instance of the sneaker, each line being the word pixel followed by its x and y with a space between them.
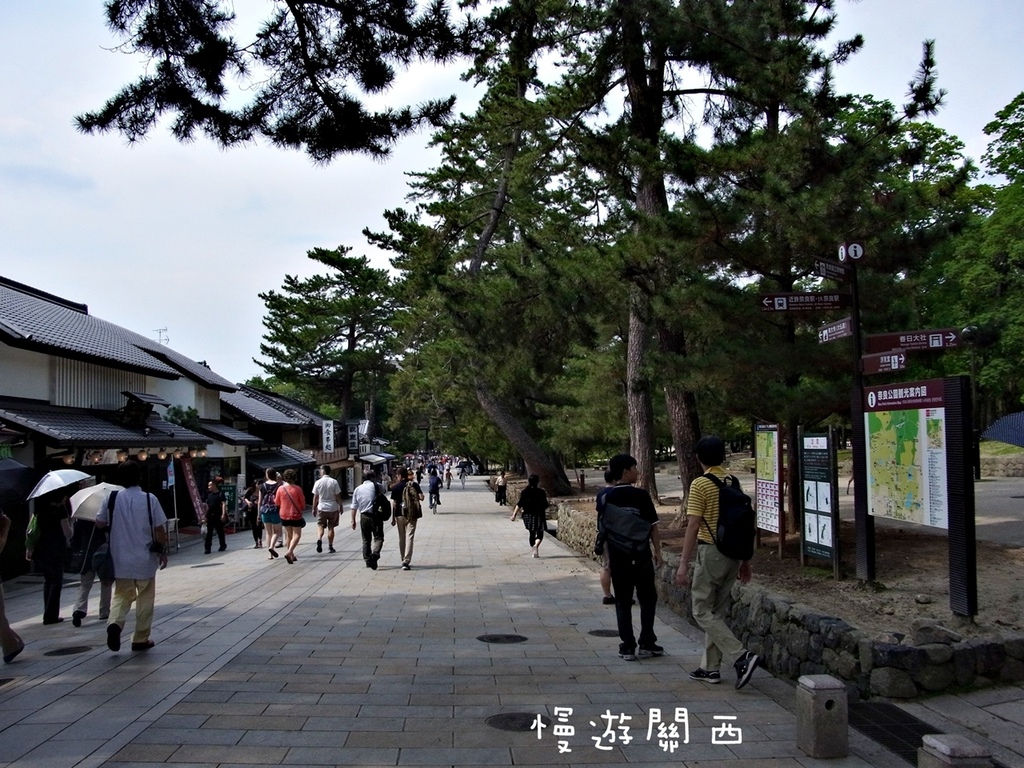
pixel 319 546
pixel 627 653
pixel 647 651
pixel 113 637
pixel 331 549
pixel 76 618
pixel 609 600
pixel 714 676
pixel 745 666
pixel 373 561
pixel 222 549
pixel 406 567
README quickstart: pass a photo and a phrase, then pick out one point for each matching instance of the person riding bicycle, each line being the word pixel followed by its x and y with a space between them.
pixel 434 490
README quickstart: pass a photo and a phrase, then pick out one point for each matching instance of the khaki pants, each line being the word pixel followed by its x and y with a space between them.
pixel 711 590
pixel 406 537
pixel 142 592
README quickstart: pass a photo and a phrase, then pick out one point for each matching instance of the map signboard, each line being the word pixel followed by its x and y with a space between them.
pixel 818 497
pixel 768 471
pixel 905 430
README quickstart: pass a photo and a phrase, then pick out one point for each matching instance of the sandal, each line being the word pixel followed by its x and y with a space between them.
pixel 273 553
pixel 289 558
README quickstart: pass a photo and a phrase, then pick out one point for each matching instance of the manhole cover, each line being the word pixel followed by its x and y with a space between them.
pixel 516 721
pixel 604 632
pixel 71 650
pixel 501 639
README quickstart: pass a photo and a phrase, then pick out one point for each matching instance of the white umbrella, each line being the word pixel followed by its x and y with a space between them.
pixel 86 504
pixel 56 479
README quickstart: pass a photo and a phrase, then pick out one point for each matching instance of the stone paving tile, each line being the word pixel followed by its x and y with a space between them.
pixel 19 740
pixel 183 736
pixel 196 753
pixel 453 756
pixel 401 739
pixel 263 722
pixel 333 756
pixel 334 738
pixel 148 753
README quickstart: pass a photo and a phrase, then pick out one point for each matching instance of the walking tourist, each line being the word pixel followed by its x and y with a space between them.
pixel 251 510
pixel 533 504
pixel 291 504
pixel 370 528
pixel 411 512
pixel 11 643
pixel 633 571
pixel 216 515
pixel 326 507
pixel 269 513
pixel 501 489
pixel 46 545
pixel 138 545
pixel 85 540
pixel 713 573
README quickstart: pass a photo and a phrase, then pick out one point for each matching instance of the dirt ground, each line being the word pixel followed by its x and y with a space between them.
pixel 912 580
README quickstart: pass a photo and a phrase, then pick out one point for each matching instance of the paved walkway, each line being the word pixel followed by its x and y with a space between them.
pixel 325 662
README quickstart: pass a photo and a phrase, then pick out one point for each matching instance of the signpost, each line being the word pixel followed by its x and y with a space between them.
pixel 803 302
pixel 838 330
pixel 895 360
pixel 934 339
pixel 831 270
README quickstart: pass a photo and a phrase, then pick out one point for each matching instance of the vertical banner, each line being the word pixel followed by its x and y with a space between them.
pixel 768 483
pixel 170 472
pixel 328 437
pixel 190 483
pixel 819 498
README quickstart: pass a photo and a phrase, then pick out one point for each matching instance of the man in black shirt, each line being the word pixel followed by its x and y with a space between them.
pixel 216 516
pixel 632 571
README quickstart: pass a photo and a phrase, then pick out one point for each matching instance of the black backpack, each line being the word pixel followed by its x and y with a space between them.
pixel 381 505
pixel 737 523
pixel 624 529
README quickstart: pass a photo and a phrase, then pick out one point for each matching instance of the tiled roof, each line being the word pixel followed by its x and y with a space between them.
pixel 265 408
pixel 229 435
pixel 287 405
pixel 33 319
pixel 79 428
pixel 280 458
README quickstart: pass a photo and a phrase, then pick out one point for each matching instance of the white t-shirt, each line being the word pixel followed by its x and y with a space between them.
pixel 132 533
pixel 327 490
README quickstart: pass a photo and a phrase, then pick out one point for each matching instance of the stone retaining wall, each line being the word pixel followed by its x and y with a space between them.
pixel 795 640
pixel 1003 466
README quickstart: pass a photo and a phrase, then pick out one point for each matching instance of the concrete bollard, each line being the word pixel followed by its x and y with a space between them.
pixel 822 716
pixel 942 750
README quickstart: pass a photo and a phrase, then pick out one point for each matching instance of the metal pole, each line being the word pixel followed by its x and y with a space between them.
pixel 863 522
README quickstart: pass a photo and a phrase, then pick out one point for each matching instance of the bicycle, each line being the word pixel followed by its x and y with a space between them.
pixel 434 501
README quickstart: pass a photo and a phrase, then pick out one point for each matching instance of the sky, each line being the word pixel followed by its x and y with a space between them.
pixel 176 241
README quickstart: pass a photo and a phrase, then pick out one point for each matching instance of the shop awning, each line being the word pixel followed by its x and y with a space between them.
pixel 79 428
pixel 373 458
pixel 279 459
pixel 228 435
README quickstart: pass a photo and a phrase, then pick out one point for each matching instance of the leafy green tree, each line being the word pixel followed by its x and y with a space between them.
pixel 325 333
pixel 302 81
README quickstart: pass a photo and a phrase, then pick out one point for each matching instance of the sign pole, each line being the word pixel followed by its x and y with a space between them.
pixel 864 524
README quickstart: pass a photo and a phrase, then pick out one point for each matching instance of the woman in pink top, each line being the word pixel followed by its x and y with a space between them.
pixel 291 502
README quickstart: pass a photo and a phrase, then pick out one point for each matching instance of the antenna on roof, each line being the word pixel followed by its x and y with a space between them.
pixel 161 336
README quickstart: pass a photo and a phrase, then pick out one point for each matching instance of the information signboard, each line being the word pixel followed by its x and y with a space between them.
pixel 803 302
pixel 768 471
pixel 905 446
pixel 896 360
pixel 818 501
pixel 912 341
pixel 840 329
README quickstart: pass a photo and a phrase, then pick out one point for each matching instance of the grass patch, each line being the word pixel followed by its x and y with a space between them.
pixel 995 448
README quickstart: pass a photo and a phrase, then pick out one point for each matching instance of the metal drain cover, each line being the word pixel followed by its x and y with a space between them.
pixel 71 650
pixel 604 632
pixel 502 639
pixel 516 721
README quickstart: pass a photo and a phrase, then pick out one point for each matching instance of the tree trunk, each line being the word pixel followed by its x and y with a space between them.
pixel 639 405
pixel 537 462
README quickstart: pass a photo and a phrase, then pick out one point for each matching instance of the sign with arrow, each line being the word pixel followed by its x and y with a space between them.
pixel 893 360
pixel 837 330
pixel 831 270
pixel 803 302
pixel 934 338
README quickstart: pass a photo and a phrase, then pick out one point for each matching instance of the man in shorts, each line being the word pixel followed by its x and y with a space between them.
pixel 326 507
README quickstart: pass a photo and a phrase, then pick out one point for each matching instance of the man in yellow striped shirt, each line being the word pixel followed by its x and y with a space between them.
pixel 713 573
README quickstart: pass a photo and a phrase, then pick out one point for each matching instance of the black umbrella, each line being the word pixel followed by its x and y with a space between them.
pixel 16 480
pixel 1009 429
